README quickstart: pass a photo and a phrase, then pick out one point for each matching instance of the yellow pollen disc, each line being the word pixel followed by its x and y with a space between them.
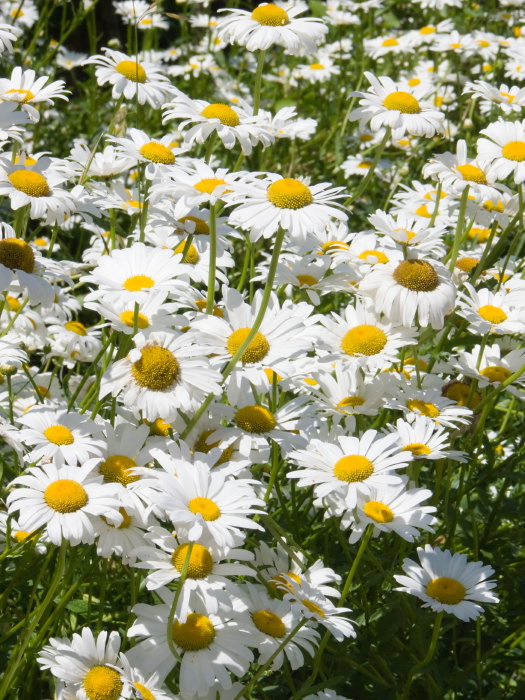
pixel 423 211
pixel 417 275
pixel 471 173
pixel 281 578
pixel 413 82
pixel 377 254
pixel 160 428
pixel 217 311
pixel 312 607
pixel 409 234
pixel 59 435
pixel 353 468
pixel 144 692
pixel 200 562
pixel 226 115
pixel 65 496
pixel 30 183
pixel 514 150
pixel 349 402
pixel 117 469
pixel 40 242
pixel 288 193
pixel 403 102
pixel 102 683
pixel 455 46
pixel 306 280
pixel 482 234
pixel 493 314
pixel 21 535
pixel 206 507
pixel 446 590
pixel 483 44
pixel 132 71
pixel 134 203
pixel 510 98
pixel 334 247
pixel 157 153
pixel 490 206
pixel 128 317
pixel 365 340
pixel 201 227
pixel 207 185
pixel 192 256
pixel 365 164
pixel 256 350
pixel 76 327
pixel 467 264
pixel 138 282
pixel 196 633
pixel 378 511
pixel 270 15
pixel 427 30
pixel 26 96
pixel 390 42
pixel 459 392
pixel 422 407
pixel 255 419
pixel 417 448
pixel 364 138
pixel 157 369
pixel 271 375
pixel 202 445
pixel 496 373
pixel 269 623
pixel 14 304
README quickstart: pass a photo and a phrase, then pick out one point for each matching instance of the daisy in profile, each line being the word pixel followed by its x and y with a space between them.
pixel 67 500
pixel 262 205
pixel 447 582
pixel 504 149
pixel 153 313
pixel 348 393
pixel 509 99
pixel 409 288
pixel 138 147
pixel 270 25
pixel 431 403
pixel 491 365
pixel 402 110
pixel 22 87
pixel 425 438
pixel 489 312
pixel 231 124
pixel 131 78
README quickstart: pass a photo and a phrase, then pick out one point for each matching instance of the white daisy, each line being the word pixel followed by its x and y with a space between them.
pixel 22 88
pixel 490 366
pixel 425 438
pixel 504 149
pixel 489 312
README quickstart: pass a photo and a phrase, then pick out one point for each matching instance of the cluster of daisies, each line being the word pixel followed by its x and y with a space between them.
pixel 230 339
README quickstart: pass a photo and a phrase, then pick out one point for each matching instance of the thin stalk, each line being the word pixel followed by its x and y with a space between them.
pixel 210 299
pixel 459 228
pixel 372 168
pixel 258 81
pixel 428 658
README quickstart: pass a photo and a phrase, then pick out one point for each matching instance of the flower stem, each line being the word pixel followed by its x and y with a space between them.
pixel 213 260
pixel 372 168
pixel 428 658
pixel 459 229
pixel 258 81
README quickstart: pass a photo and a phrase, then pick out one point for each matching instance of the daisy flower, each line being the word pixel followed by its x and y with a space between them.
pixel 429 402
pixel 348 393
pixel 489 312
pixel 504 149
pixel 153 314
pixel 409 288
pixel 270 25
pixel 124 539
pixel 160 375
pixel 425 438
pixel 385 105
pixel 22 87
pixel 138 147
pixel 141 80
pixel 408 232
pixel 8 34
pixel 494 367
pixel 446 582
pixel 510 99
pixel 67 500
pixel 263 205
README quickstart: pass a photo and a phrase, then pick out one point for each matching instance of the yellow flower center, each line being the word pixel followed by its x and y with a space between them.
pixel 365 164
pixel 269 623
pixel 459 392
pixel 196 633
pixel 467 264
pixel 349 402
pixel 256 350
pixel 334 247
pixel 201 445
pixel 446 590
pixel 21 535
pixel 102 683
pixel 281 578
pixel 471 173
pixel 417 275
pixel 365 340
pixel 403 102
pixel 353 468
pixel 26 95
pixel 270 15
pixel 157 369
pixel 226 115
pixel 316 66
pixel 192 256
pixel 379 512
pixel 288 193
pixel 132 71
pixel 65 496
pixel 490 206
pixel 514 150
pixel 144 692
pixel 417 448
pixel 427 30
pixel 390 42
pixel 377 254
pixel 423 211
pixel 482 234
pixel 312 607
pixel 493 314
pixel 30 183
pixel 200 563
pixel 59 435
pixel 207 185
pixel 217 311
pixel 426 409
pixel 117 469
pixel 206 507
pixel 76 327
pixel 201 227
pixel 510 98
pixel 137 283
pixel 17 255
pixel 13 302
pixel 255 419
pixel 128 317
pixel 157 153
pixel 306 280
pixel 496 373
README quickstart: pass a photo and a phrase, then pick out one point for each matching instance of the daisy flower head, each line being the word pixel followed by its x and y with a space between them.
pixel 409 288
pixel 22 87
pixel 138 147
pixel 491 366
pixel 489 312
pixel 348 393
pixel 270 24
pixel 67 500
pixel 447 582
pixel 131 78
pixel 263 205
pixel 425 438
pixel 384 105
pixel 504 149
pixel 509 99
pixel 8 33
pixel 431 403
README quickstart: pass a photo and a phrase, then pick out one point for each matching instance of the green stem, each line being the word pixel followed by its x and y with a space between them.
pixel 372 168
pixel 173 609
pixel 428 658
pixel 258 81
pixel 210 299
pixel 459 228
